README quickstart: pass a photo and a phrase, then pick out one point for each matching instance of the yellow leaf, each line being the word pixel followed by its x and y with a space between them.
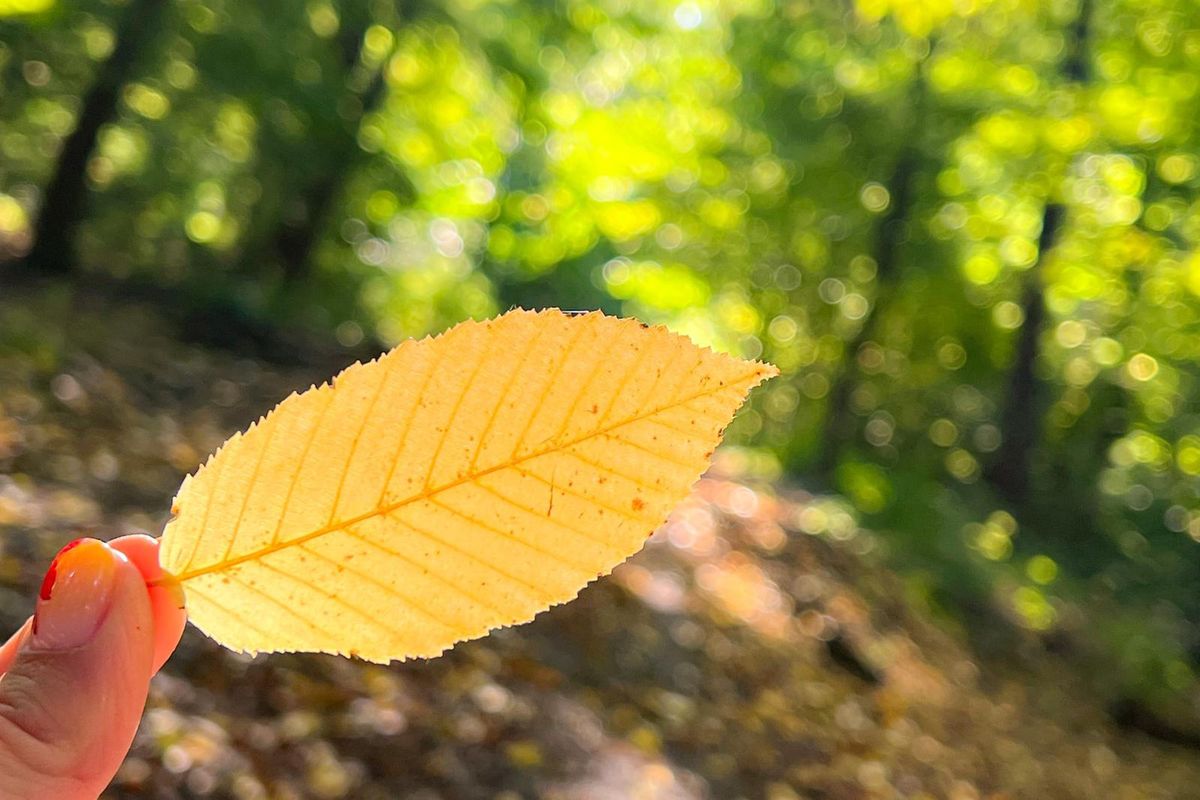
pixel 454 485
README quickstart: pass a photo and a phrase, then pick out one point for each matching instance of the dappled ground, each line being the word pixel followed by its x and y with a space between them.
pixel 752 650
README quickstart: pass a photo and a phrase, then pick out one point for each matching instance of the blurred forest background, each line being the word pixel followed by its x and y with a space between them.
pixel 968 232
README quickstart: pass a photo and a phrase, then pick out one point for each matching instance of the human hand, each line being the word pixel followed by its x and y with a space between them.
pixel 74 678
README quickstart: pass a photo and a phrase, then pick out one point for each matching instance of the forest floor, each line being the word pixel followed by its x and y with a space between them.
pixel 752 650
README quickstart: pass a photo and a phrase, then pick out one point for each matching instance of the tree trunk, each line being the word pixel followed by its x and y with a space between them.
pixel 298 234
pixel 839 419
pixel 1021 419
pixel 1009 473
pixel 65 197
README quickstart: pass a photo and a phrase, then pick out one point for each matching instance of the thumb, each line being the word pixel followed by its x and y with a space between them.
pixel 71 701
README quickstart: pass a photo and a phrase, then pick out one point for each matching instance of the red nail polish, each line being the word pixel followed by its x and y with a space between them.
pixel 52 573
pixel 81 579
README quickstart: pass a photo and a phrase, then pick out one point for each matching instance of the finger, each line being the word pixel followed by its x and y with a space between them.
pixel 8 651
pixel 71 701
pixel 166 601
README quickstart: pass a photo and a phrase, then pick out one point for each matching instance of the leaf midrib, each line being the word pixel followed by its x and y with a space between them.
pixel 388 508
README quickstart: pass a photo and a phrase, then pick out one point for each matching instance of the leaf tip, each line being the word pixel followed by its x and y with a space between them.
pixel 766 370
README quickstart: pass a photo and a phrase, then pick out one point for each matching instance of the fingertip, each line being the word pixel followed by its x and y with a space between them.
pixel 142 550
pixel 165 604
pixel 78 593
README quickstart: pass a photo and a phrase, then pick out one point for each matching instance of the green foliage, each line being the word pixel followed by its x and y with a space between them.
pixel 866 194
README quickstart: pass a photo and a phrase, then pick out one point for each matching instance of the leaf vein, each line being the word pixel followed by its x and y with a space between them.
pixel 386 509
pixel 541 516
pixel 391 590
pixel 536 590
pixel 640 482
pixel 262 454
pixel 208 598
pixel 509 384
pixel 445 433
pixel 402 440
pixel 218 468
pixel 362 426
pixel 662 456
pixel 424 569
pixel 507 535
pixel 287 498
pixel 550 385
pixel 373 619
pixel 292 612
pixel 585 497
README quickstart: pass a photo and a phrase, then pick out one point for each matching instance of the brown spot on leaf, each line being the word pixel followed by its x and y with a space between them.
pixel 638 504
